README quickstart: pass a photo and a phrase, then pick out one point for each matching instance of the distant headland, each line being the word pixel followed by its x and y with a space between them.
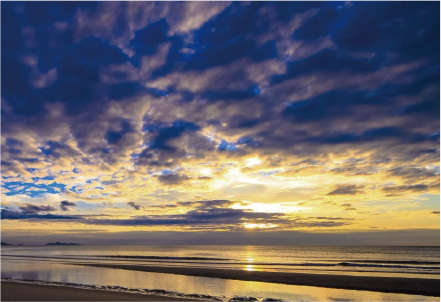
pixel 51 243
pixel 62 243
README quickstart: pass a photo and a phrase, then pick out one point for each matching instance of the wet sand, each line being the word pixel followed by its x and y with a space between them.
pixel 11 291
pixel 413 286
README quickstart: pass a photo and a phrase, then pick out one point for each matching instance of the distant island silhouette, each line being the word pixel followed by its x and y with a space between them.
pixel 4 243
pixel 62 243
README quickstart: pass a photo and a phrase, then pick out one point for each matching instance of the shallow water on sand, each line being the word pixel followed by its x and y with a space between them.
pixel 48 270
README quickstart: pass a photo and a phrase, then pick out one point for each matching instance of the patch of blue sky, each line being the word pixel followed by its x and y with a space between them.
pixel 43 178
pixel 32 189
pixel 89 181
pixel 256 90
pixel 429 201
pixel 224 145
pixel 157 92
pixel 85 205
pixel 75 189
pixel 422 202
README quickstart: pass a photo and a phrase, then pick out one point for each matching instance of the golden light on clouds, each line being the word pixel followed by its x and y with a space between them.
pixel 285 207
pixel 181 136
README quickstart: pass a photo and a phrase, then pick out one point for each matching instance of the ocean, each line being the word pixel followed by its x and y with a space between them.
pixel 55 264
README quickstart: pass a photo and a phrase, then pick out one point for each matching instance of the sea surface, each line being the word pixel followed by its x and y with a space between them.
pixel 54 264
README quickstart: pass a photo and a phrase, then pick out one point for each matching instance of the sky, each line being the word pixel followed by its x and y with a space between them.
pixel 220 122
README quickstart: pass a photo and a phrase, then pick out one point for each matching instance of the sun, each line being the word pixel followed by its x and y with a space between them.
pixel 259 225
pixel 251 162
pixel 206 171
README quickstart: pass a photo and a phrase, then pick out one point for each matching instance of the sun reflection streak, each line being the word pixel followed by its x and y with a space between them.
pixel 249 268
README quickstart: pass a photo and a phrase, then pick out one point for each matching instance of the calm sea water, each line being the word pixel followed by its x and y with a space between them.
pixel 52 263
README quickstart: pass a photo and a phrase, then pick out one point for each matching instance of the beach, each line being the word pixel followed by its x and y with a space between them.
pixel 414 286
pixel 12 291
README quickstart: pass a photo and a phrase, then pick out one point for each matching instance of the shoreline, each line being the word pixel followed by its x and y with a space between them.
pixel 397 285
pixel 18 291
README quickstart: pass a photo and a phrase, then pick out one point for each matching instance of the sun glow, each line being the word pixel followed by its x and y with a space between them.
pixel 254 161
pixel 271 207
pixel 259 225
pixel 206 172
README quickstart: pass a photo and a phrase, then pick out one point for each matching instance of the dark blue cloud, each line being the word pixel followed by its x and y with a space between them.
pixel 368 37
pixel 146 40
pixel 134 205
pixel 121 24
pixel 328 20
pixel 12 147
pixel 336 104
pixel 35 209
pixel 122 90
pixel 175 57
pixel 346 190
pixel 219 54
pixel 391 134
pixel 15 86
pixel 326 61
pixel 427 108
pixel 229 37
pixel 172 178
pixel 13 215
pixel 242 121
pixel 392 27
pixel 65 204
pixel 207 212
pixel 43 13
pixel 113 137
pixel 211 55
pixel 268 50
pixel 234 22
pixel 248 141
pixel 165 133
pixel 12 142
pixel 78 68
pixel 215 212
pixel 384 28
pixel 50 148
pixel 332 105
pixel 86 57
pixel 286 9
pixel 217 95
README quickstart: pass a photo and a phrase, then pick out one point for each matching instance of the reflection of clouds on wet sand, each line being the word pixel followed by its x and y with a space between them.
pixel 48 271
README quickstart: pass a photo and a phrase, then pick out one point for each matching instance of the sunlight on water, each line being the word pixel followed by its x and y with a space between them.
pixel 55 272
pixel 420 262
